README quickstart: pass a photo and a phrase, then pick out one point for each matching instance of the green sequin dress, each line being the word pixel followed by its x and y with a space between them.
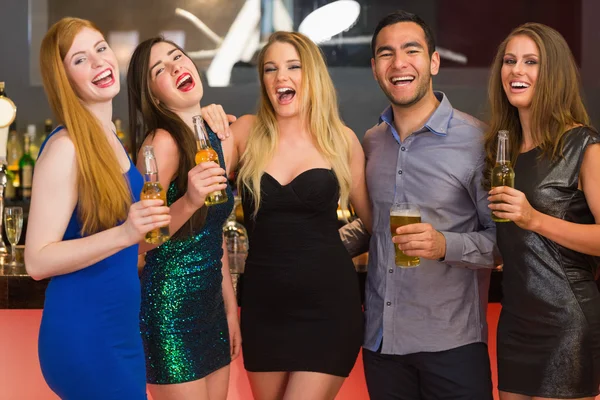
pixel 182 320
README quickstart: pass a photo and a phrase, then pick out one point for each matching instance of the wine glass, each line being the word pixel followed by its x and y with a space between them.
pixel 13 223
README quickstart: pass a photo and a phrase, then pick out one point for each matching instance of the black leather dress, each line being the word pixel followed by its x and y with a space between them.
pixel 549 328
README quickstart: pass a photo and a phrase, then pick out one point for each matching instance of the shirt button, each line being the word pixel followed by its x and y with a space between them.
pixel 391 270
pixel 400 172
pixel 389 303
pixel 403 148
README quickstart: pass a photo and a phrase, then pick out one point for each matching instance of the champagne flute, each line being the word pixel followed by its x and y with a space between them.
pixel 13 223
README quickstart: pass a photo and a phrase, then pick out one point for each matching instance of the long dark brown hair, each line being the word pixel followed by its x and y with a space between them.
pixel 146 115
pixel 556 106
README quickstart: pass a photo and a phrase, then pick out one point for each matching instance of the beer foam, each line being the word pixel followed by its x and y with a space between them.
pixel 405 213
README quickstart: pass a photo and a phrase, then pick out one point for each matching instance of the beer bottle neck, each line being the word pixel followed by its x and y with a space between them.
pixel 151 173
pixel 202 140
pixel 502 153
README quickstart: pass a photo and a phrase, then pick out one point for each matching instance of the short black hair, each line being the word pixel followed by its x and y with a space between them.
pixel 404 16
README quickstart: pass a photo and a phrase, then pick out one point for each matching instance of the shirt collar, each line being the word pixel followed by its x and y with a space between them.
pixel 437 123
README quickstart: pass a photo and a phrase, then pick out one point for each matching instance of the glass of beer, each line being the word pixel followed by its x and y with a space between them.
pixel 404 214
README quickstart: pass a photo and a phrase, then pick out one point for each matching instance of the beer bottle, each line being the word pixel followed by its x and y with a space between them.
pixel 205 152
pixel 153 190
pixel 502 173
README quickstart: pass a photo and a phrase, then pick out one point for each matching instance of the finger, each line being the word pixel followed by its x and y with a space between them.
pixel 231 118
pixel 503 198
pixel 416 245
pixel 400 239
pixel 142 204
pixel 155 210
pixel 413 228
pixel 204 166
pixel 505 215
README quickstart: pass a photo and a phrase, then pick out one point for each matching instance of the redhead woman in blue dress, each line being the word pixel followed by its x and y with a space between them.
pixel 85 223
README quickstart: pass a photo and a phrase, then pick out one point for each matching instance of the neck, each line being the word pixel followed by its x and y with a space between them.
pixel 103 111
pixel 187 114
pixel 525 119
pixel 409 119
pixel 294 127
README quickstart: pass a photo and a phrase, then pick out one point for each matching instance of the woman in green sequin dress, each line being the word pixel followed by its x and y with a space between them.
pixel 188 318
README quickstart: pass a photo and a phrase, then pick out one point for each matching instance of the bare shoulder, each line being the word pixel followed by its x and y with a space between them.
pixel 241 129
pixel 160 138
pixel 351 136
pixel 58 149
pixel 243 125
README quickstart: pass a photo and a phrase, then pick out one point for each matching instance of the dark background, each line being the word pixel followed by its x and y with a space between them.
pixel 474 28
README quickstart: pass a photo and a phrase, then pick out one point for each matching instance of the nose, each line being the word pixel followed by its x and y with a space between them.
pixel 282 75
pixel 97 60
pixel 518 68
pixel 398 61
pixel 175 68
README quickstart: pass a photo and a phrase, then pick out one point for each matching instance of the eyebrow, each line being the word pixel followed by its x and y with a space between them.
pixel 403 47
pixel 83 51
pixel 288 61
pixel 525 55
pixel 173 50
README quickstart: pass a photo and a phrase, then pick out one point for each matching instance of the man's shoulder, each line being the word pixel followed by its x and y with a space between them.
pixel 461 122
pixel 376 131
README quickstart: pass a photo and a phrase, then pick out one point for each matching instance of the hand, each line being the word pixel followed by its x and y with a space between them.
pixel 235 335
pixel 215 117
pixel 143 217
pixel 421 240
pixel 509 203
pixel 203 179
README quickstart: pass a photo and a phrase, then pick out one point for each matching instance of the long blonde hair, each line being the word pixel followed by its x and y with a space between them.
pixel 318 104
pixel 557 104
pixel 104 195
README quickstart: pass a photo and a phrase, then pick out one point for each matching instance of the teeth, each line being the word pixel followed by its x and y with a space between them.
pixel 402 79
pixel 183 80
pixel 283 90
pixel 102 75
pixel 519 85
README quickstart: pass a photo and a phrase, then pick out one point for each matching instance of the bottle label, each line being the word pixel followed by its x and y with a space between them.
pixel 26 179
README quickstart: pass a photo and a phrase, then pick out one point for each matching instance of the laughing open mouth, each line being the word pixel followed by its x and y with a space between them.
pixel 104 78
pixel 285 95
pixel 402 80
pixel 185 82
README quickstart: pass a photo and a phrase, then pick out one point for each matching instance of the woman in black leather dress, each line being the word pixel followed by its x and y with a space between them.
pixel 549 328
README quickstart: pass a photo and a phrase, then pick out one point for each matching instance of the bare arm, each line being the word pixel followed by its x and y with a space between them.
pixel 53 201
pixel 584 238
pixel 231 306
pixel 359 197
pixel 202 179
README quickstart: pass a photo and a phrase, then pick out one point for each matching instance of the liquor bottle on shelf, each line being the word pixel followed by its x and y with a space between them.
pixel 204 153
pixel 47 131
pixel 502 173
pixel 14 154
pixel 153 190
pixel 26 165
pixel 34 149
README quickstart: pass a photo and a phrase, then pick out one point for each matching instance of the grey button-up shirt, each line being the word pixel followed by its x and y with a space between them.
pixel 439 305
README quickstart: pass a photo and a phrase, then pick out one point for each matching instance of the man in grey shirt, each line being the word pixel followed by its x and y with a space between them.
pixel 426 328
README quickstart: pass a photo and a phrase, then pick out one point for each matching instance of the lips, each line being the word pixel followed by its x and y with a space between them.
pixel 518 86
pixel 104 79
pixel 185 82
pixel 402 80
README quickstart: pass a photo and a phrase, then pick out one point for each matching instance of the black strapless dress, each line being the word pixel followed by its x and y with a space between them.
pixel 301 308
pixel 549 328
